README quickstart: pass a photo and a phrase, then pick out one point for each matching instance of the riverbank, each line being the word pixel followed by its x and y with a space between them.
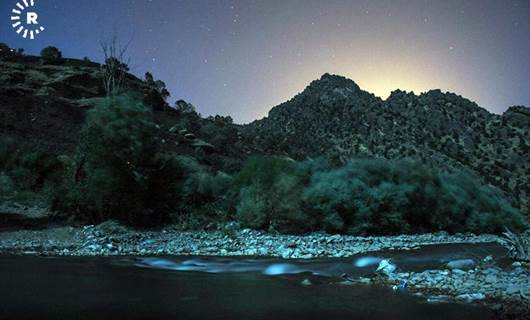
pixel 505 289
pixel 110 238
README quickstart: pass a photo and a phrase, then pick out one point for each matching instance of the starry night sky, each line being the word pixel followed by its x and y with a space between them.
pixel 240 58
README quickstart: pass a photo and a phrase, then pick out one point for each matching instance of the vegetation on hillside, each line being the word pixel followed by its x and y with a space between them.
pixel 367 197
pixel 99 153
pixel 121 170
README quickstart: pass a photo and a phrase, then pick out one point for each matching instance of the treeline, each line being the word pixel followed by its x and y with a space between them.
pixel 122 170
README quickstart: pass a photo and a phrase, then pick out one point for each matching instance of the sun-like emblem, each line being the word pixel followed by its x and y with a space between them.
pixel 25 20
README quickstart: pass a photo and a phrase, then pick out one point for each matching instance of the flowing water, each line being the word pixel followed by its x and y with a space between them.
pixel 221 288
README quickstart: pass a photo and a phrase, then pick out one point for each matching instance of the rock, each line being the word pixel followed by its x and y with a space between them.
pixel 364 280
pixel 491 278
pixel 512 289
pixel 459 272
pixel 462 264
pixel 148 242
pixel 306 282
pixel 469 297
pixel 286 253
pixel 517 264
pixel 94 247
pixel 438 299
pixel 291 245
pixel 386 266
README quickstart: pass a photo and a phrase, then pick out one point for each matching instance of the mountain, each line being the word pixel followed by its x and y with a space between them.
pixel 334 118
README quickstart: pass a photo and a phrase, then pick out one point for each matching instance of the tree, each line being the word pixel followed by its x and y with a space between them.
pixel 126 174
pixel 184 107
pixel 159 86
pixel 51 55
pixel 115 68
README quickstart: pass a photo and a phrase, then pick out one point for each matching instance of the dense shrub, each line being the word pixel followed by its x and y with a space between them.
pixel 28 169
pixel 269 193
pixel 388 197
pixel 156 93
pixel 9 54
pixel 204 193
pixel 366 197
pixel 481 208
pixel 51 55
pixel 121 171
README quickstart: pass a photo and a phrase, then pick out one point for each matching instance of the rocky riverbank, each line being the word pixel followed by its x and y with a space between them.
pixel 113 239
pixel 505 290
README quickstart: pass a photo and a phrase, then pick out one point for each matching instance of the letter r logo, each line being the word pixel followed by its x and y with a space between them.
pixel 29 27
pixel 32 18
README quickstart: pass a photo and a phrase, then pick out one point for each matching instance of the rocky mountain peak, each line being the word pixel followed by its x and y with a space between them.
pixel 330 83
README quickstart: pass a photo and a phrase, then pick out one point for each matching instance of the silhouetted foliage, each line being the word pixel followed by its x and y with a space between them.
pixel 27 169
pixel 184 107
pixel 121 171
pixel 367 197
pixel 51 55
pixel 270 191
pixel 157 93
pixel 10 54
pixel 116 65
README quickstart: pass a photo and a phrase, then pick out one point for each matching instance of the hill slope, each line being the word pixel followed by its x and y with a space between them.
pixel 43 107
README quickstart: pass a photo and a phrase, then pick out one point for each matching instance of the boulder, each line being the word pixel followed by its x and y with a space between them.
pixel 461 264
pixel 469 297
pixel 306 282
pixel 386 267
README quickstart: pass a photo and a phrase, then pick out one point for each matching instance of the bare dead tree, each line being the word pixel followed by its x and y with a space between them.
pixel 116 64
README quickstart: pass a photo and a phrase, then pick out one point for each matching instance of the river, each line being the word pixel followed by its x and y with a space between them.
pixel 222 288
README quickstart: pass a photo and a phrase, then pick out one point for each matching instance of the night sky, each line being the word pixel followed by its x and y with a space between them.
pixel 241 58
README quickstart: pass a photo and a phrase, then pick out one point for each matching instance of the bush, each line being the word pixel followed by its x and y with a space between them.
pixel 269 193
pixel 121 171
pixel 366 197
pixel 7 53
pixel 51 55
pixel 28 169
pixel 6 184
pixel 252 207
pixel 390 197
pixel 480 208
